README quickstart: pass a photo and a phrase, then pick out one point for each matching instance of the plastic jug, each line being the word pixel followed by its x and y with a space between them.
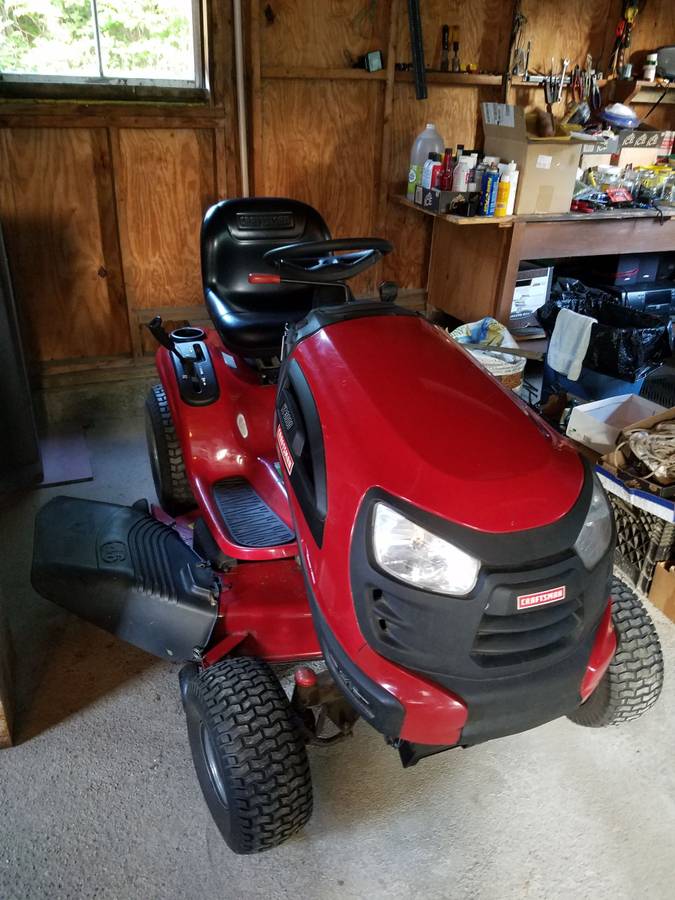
pixel 426 142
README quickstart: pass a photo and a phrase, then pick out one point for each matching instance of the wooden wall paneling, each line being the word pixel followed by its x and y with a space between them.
pixel 225 184
pixel 571 29
pixel 327 156
pixel 107 214
pixel 256 103
pixel 217 16
pixel 63 256
pixel 654 27
pixel 307 33
pixel 220 66
pixel 384 175
pixel 165 182
pixel 484 27
pixel 462 290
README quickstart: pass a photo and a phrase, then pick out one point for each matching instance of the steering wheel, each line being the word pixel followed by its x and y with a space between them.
pixel 315 261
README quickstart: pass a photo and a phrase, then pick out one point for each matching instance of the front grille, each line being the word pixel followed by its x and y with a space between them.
pixel 503 640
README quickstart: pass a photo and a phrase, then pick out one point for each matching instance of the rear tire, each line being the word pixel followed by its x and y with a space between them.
pixel 166 456
pixel 633 681
pixel 248 751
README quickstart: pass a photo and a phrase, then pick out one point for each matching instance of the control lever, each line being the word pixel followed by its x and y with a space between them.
pixel 388 291
pixel 162 336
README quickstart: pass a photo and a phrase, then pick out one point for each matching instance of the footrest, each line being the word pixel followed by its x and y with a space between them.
pixel 249 520
pixel 119 568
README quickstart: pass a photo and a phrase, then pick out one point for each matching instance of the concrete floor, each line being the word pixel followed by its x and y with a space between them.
pixel 99 799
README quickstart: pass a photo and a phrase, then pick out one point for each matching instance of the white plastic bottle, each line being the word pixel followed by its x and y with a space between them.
pixel 462 173
pixel 426 142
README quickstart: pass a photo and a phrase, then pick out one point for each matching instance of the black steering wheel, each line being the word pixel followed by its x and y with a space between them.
pixel 315 261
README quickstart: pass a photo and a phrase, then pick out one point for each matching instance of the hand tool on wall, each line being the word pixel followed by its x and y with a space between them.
pixel 445 47
pixel 623 34
pixel 456 67
pixel 594 96
pixel 576 85
pixel 417 47
pixel 565 64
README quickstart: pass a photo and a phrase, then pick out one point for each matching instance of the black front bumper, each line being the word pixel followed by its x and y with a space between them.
pixel 514 669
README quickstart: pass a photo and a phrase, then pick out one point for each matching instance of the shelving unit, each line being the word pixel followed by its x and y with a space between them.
pixel 456 79
pixel 318 73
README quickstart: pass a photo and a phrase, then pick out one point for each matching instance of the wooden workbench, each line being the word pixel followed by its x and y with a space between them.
pixel 474 261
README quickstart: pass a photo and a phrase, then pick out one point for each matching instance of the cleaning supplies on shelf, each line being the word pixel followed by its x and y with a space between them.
pixel 432 164
pixel 427 141
pixel 488 196
pixel 503 192
pixel 460 175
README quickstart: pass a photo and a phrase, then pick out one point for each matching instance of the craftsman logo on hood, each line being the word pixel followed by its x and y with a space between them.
pixel 284 452
pixel 527 601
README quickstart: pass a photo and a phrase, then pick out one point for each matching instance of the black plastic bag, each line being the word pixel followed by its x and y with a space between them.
pixel 624 342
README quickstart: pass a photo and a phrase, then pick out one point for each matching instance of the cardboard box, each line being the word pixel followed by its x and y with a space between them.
pixel 547 166
pixel 662 591
pixel 598 425
pixel 434 199
pixel 615 462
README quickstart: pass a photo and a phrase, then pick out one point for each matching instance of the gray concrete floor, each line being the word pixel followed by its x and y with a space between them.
pixel 99 799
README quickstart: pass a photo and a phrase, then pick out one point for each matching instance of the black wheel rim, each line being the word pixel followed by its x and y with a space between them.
pixel 213 765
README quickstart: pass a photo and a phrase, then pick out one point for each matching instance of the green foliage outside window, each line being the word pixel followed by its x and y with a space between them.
pixel 138 38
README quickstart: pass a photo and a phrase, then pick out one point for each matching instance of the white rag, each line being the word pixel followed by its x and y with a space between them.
pixel 569 343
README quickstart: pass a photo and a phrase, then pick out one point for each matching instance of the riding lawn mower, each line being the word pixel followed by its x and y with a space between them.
pixel 342 487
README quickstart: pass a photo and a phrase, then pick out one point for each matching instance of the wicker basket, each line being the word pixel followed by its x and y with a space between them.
pixel 505 368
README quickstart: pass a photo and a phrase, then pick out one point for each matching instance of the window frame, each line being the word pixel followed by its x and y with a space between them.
pixel 102 86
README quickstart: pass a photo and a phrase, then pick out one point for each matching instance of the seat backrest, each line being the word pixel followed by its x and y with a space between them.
pixel 235 236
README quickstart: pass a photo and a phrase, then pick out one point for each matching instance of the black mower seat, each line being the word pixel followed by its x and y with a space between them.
pixel 235 235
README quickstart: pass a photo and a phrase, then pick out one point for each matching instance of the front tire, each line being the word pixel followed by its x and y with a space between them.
pixel 632 683
pixel 166 456
pixel 248 751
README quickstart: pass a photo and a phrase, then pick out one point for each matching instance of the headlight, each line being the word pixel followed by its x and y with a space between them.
pixel 596 532
pixel 411 553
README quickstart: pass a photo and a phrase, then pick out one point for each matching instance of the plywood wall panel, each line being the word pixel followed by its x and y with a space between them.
pixel 165 181
pixel 55 189
pixel 321 145
pixel 571 29
pixel 484 27
pixel 307 33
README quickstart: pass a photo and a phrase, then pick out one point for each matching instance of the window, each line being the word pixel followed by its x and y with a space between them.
pixel 153 42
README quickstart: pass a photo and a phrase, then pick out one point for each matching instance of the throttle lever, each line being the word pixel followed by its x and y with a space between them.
pixel 162 336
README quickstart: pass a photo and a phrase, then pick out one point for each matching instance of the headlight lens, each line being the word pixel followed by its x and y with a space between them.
pixel 596 532
pixel 409 552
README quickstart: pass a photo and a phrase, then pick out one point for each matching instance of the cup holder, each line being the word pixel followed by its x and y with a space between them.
pixel 181 335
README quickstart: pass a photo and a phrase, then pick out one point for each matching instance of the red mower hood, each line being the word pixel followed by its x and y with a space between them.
pixel 405 409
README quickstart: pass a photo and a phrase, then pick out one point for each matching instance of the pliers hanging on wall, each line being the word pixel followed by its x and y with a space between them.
pixel 576 85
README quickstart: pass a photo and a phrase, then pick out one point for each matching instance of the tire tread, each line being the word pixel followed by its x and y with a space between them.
pixel 172 483
pixel 633 681
pixel 257 737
